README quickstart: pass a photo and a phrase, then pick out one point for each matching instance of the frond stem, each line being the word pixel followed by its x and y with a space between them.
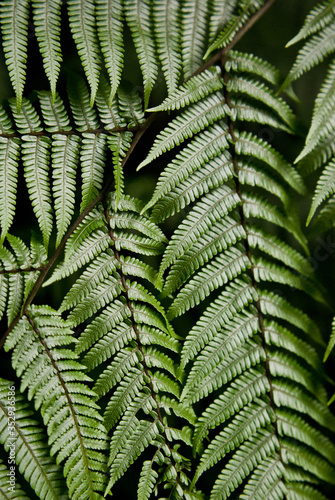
pixel 21 270
pixel 137 333
pixel 247 247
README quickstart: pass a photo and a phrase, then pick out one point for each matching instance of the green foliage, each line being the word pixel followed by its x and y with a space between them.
pixel 161 345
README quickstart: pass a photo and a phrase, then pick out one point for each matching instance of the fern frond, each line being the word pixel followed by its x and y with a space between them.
pixel 50 370
pixel 14 27
pixel 193 90
pixel 322 113
pixel 167 31
pixel 31 450
pixel 5 492
pixel 119 143
pixel 266 481
pixel 92 158
pixel 203 148
pixel 35 155
pixel 194 29
pixel 324 189
pixel 9 153
pixel 248 144
pixel 331 342
pixel 295 427
pixel 314 52
pixel 244 389
pixel 242 62
pixel 196 118
pixel 147 481
pixel 246 423
pixel 247 8
pixel 318 18
pixel 218 170
pixel 109 17
pixel 220 14
pixel 82 24
pixel 260 92
pixel 215 274
pixel 262 445
pixel 303 492
pixel 138 20
pixel 130 104
pixel 109 112
pixel 47 20
pixel 212 208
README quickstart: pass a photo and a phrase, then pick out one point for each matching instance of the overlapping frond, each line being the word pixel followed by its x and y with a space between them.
pixel 249 341
pixel 127 333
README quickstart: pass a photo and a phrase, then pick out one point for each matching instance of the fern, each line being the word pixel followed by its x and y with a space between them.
pixel 159 334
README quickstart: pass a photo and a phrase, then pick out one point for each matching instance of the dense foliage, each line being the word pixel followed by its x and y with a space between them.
pixel 157 288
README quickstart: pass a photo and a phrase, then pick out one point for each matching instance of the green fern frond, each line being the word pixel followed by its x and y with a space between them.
pixel 196 118
pixel 5 492
pixel 31 450
pixel 198 341
pixel 9 152
pixel 147 481
pixel 266 481
pixel 243 62
pixel 13 285
pixel 138 19
pixel 259 91
pixel 50 369
pixel 109 112
pixel 233 300
pixel 194 28
pixel 119 143
pixel 244 389
pixel 109 17
pixel 331 342
pixel 203 148
pixel 246 8
pixel 167 31
pixel 82 24
pixel 246 423
pixel 216 273
pixel 318 18
pixel 220 14
pixel 47 20
pixel 248 144
pixel 324 189
pixel 261 446
pixel 314 52
pixel 193 90
pixel 14 26
pixel 130 104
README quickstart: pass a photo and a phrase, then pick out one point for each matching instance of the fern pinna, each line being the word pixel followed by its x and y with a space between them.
pixel 185 362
